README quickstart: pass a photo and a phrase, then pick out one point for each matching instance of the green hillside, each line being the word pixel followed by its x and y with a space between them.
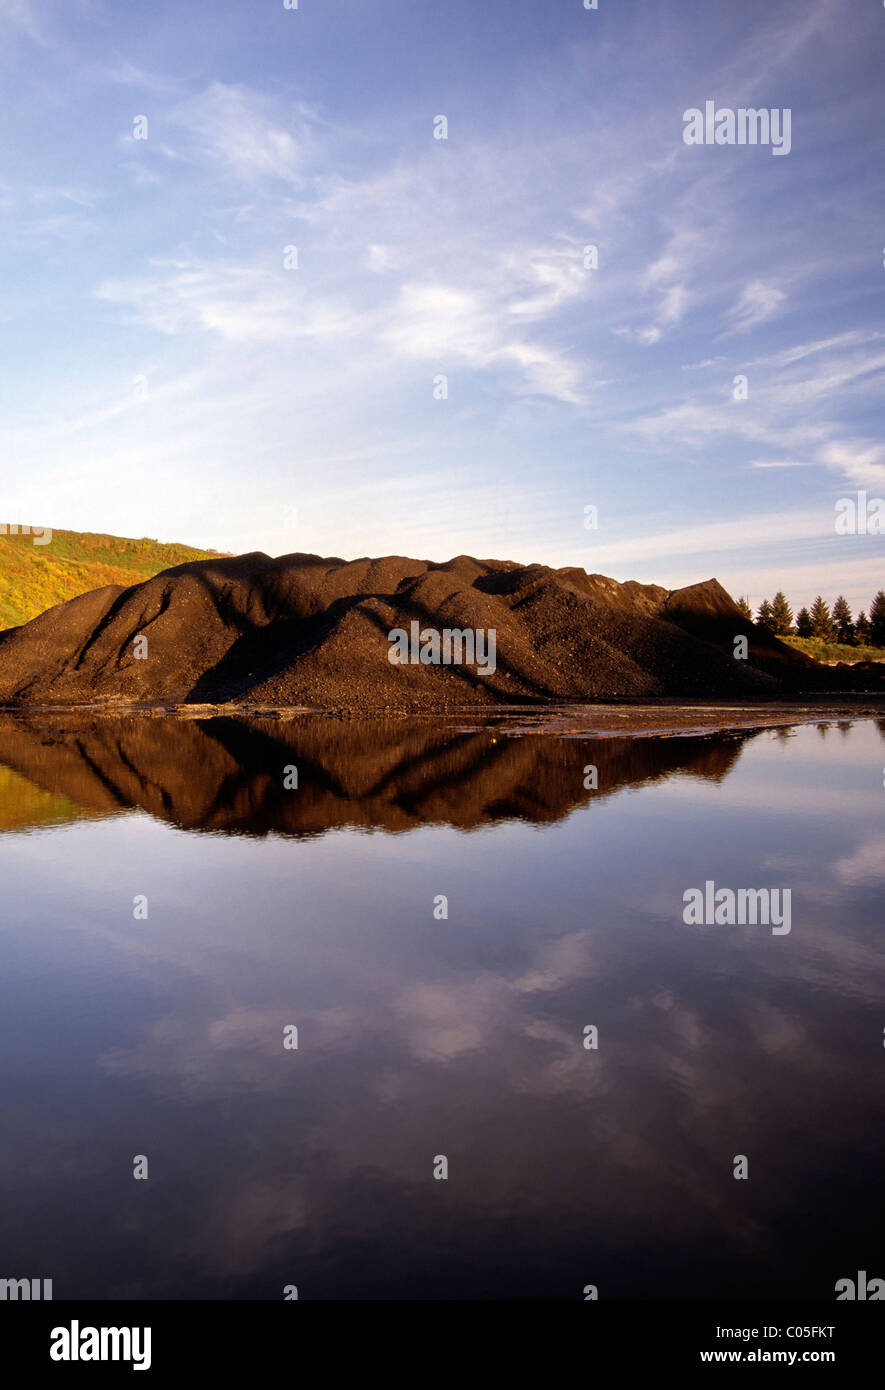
pixel 35 577
pixel 821 650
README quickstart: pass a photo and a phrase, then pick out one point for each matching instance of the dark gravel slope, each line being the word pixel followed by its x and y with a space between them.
pixel 302 630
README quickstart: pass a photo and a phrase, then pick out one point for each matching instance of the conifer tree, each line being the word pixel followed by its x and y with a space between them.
pixel 746 610
pixel 803 623
pixel 877 620
pixel 862 628
pixel 781 613
pixel 821 622
pixel 842 620
pixel 765 615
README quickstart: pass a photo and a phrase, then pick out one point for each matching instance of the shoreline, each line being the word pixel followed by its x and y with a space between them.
pixel 662 717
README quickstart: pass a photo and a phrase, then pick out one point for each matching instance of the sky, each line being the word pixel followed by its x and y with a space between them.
pixel 251 301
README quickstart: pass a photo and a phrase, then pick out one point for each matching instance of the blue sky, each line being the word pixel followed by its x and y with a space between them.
pixel 166 374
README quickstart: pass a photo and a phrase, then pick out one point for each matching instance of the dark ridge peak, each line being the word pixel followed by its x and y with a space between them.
pixel 707 595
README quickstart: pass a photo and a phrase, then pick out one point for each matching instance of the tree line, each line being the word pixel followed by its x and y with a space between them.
pixel 836 625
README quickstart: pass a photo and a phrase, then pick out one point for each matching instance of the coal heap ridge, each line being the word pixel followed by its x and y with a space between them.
pixel 301 630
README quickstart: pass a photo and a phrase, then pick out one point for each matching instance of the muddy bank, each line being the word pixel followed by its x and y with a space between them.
pixel 561 720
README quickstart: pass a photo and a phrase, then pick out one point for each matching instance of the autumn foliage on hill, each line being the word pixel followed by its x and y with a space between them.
pixel 34 577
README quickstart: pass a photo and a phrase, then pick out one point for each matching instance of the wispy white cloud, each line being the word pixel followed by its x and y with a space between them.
pixel 702 366
pixel 438 324
pixel 546 279
pixel 858 337
pixel 240 130
pixel 758 302
pixel 243 304
pixel 739 533
pixel 704 425
pixel 860 461
pixel 796 398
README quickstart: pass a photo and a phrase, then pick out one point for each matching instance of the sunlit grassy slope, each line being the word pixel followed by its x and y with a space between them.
pixel 35 577
pixel 834 651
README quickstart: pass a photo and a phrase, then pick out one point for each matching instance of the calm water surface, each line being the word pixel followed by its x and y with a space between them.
pixel 421 1037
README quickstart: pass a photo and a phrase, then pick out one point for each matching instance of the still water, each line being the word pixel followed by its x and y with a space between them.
pixel 421 1036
